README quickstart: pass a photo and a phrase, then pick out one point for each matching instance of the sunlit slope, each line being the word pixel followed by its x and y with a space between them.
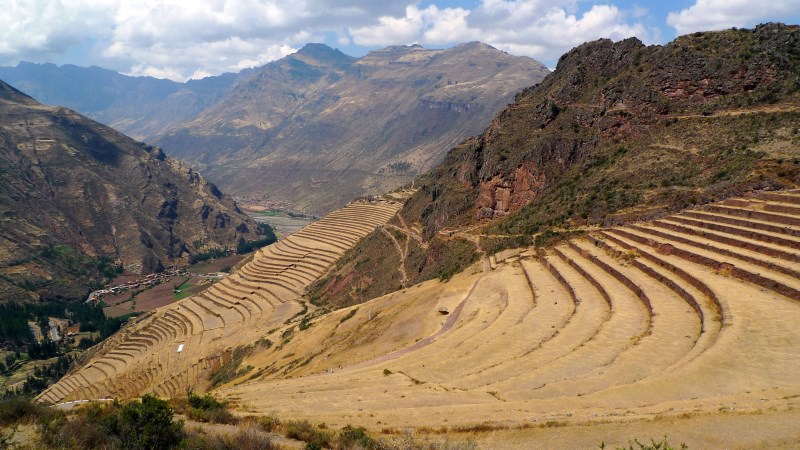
pixel 176 347
pixel 695 313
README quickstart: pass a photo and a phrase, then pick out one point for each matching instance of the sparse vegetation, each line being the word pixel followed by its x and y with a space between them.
pixel 143 424
pixel 268 237
pixel 208 409
pixel 653 445
pixel 209 254
pixel 230 369
pixel 349 315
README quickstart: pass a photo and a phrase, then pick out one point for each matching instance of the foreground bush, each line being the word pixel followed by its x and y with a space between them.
pixel 208 409
pixel 302 430
pixel 138 425
pixel 653 445
pixel 16 410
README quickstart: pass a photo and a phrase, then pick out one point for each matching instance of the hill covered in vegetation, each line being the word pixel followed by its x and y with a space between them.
pixel 620 131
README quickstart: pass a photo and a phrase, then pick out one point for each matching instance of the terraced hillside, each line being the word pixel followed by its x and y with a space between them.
pixel 693 315
pixel 176 347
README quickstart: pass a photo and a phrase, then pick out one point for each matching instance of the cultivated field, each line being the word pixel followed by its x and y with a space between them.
pixel 176 347
pixel 662 327
pixel 686 326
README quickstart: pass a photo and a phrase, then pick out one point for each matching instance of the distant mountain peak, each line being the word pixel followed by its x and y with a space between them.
pixel 324 53
pixel 393 51
pixel 475 44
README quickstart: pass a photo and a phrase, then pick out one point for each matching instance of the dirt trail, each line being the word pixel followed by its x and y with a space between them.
pixel 400 251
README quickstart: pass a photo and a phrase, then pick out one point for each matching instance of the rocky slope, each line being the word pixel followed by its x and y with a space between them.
pixel 78 198
pixel 619 131
pixel 318 127
pixel 138 106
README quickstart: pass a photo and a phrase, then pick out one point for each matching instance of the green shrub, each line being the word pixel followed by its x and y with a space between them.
pixel 146 425
pixel 206 402
pixel 349 315
pixel 350 437
pixel 18 409
pixel 653 445
pixel 208 409
pixel 302 430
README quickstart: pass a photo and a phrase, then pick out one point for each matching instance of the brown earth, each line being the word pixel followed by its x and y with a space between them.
pixel 601 338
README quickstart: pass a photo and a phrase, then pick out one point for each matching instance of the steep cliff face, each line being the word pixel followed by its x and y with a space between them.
pixel 622 131
pixel 77 198
pixel 318 127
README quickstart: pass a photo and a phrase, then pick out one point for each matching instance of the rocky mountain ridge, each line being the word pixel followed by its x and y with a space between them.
pixel 78 199
pixel 318 127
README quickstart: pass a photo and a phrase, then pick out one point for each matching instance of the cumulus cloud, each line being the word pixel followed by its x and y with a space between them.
pixel 541 29
pixel 720 14
pixel 42 29
pixel 176 38
pixel 179 39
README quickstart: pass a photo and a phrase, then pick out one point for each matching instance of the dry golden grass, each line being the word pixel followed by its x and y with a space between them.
pixel 668 354
pixel 631 332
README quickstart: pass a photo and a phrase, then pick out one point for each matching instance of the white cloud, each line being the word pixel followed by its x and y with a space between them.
pixel 41 29
pixel 707 15
pixel 391 29
pixel 541 29
pixel 178 39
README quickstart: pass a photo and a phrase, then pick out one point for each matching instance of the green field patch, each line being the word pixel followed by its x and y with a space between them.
pixel 183 291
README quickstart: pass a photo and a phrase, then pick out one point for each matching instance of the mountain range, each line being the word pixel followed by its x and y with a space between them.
pixel 314 129
pixel 318 127
pixel 140 107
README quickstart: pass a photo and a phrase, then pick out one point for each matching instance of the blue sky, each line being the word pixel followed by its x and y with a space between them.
pixel 180 39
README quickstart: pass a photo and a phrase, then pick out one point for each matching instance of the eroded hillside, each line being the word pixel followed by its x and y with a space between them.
pixel 78 199
pixel 619 131
pixel 318 128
